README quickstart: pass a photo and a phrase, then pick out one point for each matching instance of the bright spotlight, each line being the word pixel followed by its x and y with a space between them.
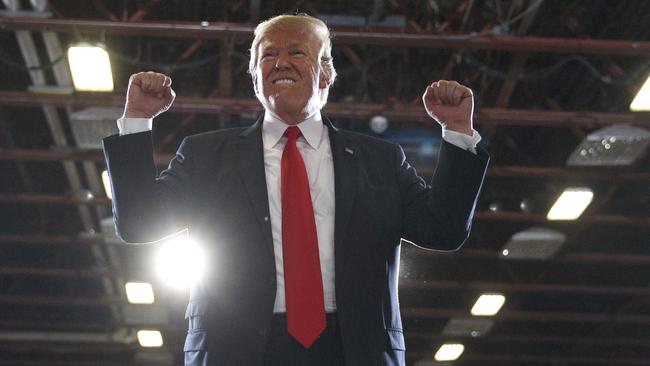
pixel 180 262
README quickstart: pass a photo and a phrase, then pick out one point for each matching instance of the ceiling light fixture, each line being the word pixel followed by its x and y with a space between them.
pixel 641 102
pixel 488 304
pixel 571 204
pixel 449 352
pixel 618 145
pixel 139 292
pixel 150 338
pixel 90 68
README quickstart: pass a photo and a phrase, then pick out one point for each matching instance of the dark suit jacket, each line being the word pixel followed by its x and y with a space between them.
pixel 215 187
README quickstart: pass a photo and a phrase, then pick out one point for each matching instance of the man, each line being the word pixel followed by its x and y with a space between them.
pixel 301 221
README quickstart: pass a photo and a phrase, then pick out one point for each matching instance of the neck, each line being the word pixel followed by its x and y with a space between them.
pixel 291 118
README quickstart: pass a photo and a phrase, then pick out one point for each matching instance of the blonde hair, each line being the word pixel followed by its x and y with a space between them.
pixel 317 26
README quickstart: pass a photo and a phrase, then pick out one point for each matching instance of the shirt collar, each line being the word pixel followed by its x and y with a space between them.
pixel 273 129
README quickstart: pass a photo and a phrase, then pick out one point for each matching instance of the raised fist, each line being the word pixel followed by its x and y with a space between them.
pixel 149 94
pixel 450 104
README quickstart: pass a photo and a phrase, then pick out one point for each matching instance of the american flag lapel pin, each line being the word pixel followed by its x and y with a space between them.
pixel 349 151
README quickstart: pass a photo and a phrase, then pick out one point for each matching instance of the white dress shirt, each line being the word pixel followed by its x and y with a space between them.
pixel 314 146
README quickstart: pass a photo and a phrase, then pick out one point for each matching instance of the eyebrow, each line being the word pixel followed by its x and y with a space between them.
pixel 271 45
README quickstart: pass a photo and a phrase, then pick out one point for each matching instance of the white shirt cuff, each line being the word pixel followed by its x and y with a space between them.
pixel 462 140
pixel 128 126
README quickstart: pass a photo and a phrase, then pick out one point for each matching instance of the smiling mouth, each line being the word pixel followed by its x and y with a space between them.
pixel 284 81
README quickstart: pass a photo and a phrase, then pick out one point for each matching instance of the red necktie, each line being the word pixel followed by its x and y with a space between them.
pixel 302 276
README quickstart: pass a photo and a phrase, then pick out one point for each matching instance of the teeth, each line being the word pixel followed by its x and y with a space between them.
pixel 284 81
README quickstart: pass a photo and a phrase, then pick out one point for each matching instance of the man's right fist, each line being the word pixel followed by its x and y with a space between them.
pixel 149 94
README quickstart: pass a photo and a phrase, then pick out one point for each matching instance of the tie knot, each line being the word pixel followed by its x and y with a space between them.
pixel 292 133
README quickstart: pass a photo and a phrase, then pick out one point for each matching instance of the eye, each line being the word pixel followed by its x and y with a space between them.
pixel 267 54
pixel 297 53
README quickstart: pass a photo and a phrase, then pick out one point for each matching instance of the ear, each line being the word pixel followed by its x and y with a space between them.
pixel 324 80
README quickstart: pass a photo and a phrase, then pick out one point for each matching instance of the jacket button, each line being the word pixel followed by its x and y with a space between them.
pixel 263 332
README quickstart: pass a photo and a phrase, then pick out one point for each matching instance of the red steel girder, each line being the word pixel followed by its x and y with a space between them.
pixel 395 112
pixel 383 37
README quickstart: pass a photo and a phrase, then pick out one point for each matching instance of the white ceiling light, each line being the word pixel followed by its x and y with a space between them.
pixel 180 262
pixel 449 352
pixel 571 203
pixel 150 338
pixel 139 292
pixel 488 304
pixel 90 68
pixel 642 100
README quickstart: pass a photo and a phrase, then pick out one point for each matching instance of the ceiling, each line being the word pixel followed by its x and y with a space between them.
pixel 545 75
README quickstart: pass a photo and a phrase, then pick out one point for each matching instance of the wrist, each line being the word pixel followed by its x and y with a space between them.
pixel 131 113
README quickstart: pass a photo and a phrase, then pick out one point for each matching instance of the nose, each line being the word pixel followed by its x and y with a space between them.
pixel 281 62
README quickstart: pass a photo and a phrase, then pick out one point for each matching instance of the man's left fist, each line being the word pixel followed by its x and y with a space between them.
pixel 451 105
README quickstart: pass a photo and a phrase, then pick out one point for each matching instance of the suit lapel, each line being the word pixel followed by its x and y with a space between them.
pixel 250 163
pixel 346 156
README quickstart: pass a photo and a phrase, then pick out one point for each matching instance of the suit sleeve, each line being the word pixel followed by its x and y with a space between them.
pixel 439 216
pixel 147 207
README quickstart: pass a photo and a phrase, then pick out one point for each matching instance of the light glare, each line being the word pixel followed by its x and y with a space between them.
pixel 139 293
pixel 180 262
pixel 150 338
pixel 106 180
pixel 449 352
pixel 571 203
pixel 642 100
pixel 488 304
pixel 90 68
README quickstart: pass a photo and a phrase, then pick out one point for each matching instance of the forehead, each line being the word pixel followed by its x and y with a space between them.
pixel 289 36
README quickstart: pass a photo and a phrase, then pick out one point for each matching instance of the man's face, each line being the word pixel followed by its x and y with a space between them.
pixel 288 80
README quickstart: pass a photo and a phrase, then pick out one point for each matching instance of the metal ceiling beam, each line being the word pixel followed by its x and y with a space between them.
pixel 594 257
pixel 50 239
pixel 517 359
pixel 534 172
pixel 409 284
pixel 63 300
pixel 516 216
pixel 404 283
pixel 75 154
pixel 68 199
pixel 378 36
pixel 609 341
pixel 51 199
pixel 394 112
pixel 64 325
pixel 435 313
pixel 408 312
